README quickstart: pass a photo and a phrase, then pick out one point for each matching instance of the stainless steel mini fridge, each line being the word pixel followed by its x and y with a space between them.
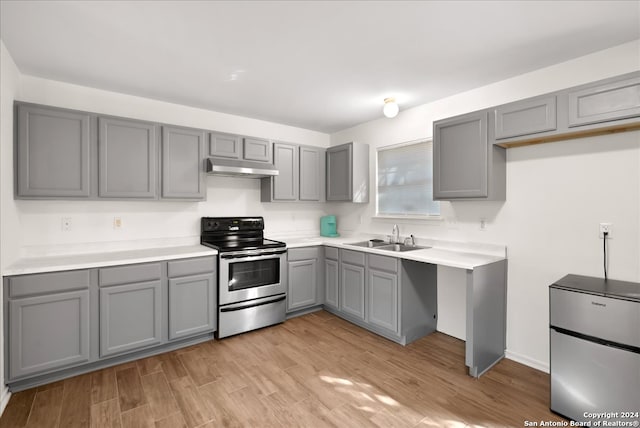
pixel 595 348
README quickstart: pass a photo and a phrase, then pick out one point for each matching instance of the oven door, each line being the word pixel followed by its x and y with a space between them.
pixel 246 275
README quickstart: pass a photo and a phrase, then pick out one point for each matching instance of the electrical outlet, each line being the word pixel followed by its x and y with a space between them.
pixel 605 227
pixel 483 224
pixel 66 224
pixel 117 223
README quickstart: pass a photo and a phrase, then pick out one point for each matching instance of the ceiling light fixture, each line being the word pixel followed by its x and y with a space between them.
pixel 390 108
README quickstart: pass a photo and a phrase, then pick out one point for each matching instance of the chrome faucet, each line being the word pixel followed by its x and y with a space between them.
pixel 395 234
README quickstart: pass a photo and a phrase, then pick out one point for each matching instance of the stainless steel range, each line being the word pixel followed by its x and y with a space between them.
pixel 251 273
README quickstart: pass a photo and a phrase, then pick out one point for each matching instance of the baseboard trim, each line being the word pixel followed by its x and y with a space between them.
pixel 527 361
pixel 4 400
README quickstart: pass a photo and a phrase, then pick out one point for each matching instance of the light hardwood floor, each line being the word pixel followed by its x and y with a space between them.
pixel 313 371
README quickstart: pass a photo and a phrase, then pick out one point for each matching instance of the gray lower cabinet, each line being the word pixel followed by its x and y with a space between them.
pixel 192 305
pixel 192 296
pixel 53 152
pixel 382 292
pixel 48 332
pixel 182 175
pixel 332 277
pixel 348 173
pixel 127 158
pixel 604 102
pixel 352 283
pixel 130 317
pixel 465 165
pixel 304 277
pixel 47 322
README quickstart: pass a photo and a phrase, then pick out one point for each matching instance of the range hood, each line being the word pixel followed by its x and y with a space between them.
pixel 240 168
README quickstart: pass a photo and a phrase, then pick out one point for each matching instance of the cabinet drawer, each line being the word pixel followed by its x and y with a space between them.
pixel 390 264
pixel 191 266
pixel 303 253
pixel 353 257
pixel 128 274
pixel 331 253
pixel 27 285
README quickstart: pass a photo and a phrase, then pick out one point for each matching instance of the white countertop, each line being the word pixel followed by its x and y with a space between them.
pixel 56 263
pixel 446 253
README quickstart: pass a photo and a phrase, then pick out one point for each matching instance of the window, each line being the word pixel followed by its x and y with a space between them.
pixel 405 180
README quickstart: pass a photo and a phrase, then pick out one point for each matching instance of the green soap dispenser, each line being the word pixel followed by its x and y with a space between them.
pixel 329 226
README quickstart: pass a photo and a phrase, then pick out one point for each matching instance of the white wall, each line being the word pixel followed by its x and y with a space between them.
pixel 557 193
pixel 155 221
pixel 9 220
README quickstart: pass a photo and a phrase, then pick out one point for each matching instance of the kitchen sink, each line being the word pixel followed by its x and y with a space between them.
pixel 372 243
pixel 400 248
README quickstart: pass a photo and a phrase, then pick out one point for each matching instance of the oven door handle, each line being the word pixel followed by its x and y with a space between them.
pixel 245 254
pixel 252 305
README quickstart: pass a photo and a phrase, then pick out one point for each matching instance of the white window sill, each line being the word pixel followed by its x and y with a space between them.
pixel 408 217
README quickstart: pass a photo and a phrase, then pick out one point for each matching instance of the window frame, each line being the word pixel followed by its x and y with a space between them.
pixel 400 216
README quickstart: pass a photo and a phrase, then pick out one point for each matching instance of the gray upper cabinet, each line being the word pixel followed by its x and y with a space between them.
pixel 128 158
pixel 53 153
pixel 285 184
pixel 312 173
pixel 348 173
pixel 225 145
pixel 603 102
pixel 525 117
pixel 256 149
pixel 301 172
pixel 47 321
pixel 460 157
pixel 182 163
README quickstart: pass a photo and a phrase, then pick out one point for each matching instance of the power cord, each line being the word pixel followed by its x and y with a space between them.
pixel 604 245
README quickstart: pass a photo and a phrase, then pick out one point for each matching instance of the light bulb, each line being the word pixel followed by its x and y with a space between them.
pixel 390 108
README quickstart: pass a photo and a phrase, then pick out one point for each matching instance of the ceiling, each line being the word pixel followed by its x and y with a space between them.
pixel 321 65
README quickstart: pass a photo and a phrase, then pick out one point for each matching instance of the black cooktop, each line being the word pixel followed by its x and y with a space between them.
pixel 235 234
pixel 600 286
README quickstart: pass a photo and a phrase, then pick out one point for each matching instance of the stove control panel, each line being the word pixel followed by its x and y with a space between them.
pixel 222 224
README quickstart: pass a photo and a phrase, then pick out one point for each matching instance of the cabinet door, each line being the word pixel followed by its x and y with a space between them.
pixel 605 102
pixel 257 149
pixel 285 184
pixel 53 152
pixel 128 157
pixel 525 117
pixel 303 284
pixel 48 332
pixel 331 283
pixel 352 290
pixel 340 173
pixel 383 300
pixel 130 317
pixel 182 168
pixel 460 157
pixel 192 305
pixel 311 173
pixel 225 146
